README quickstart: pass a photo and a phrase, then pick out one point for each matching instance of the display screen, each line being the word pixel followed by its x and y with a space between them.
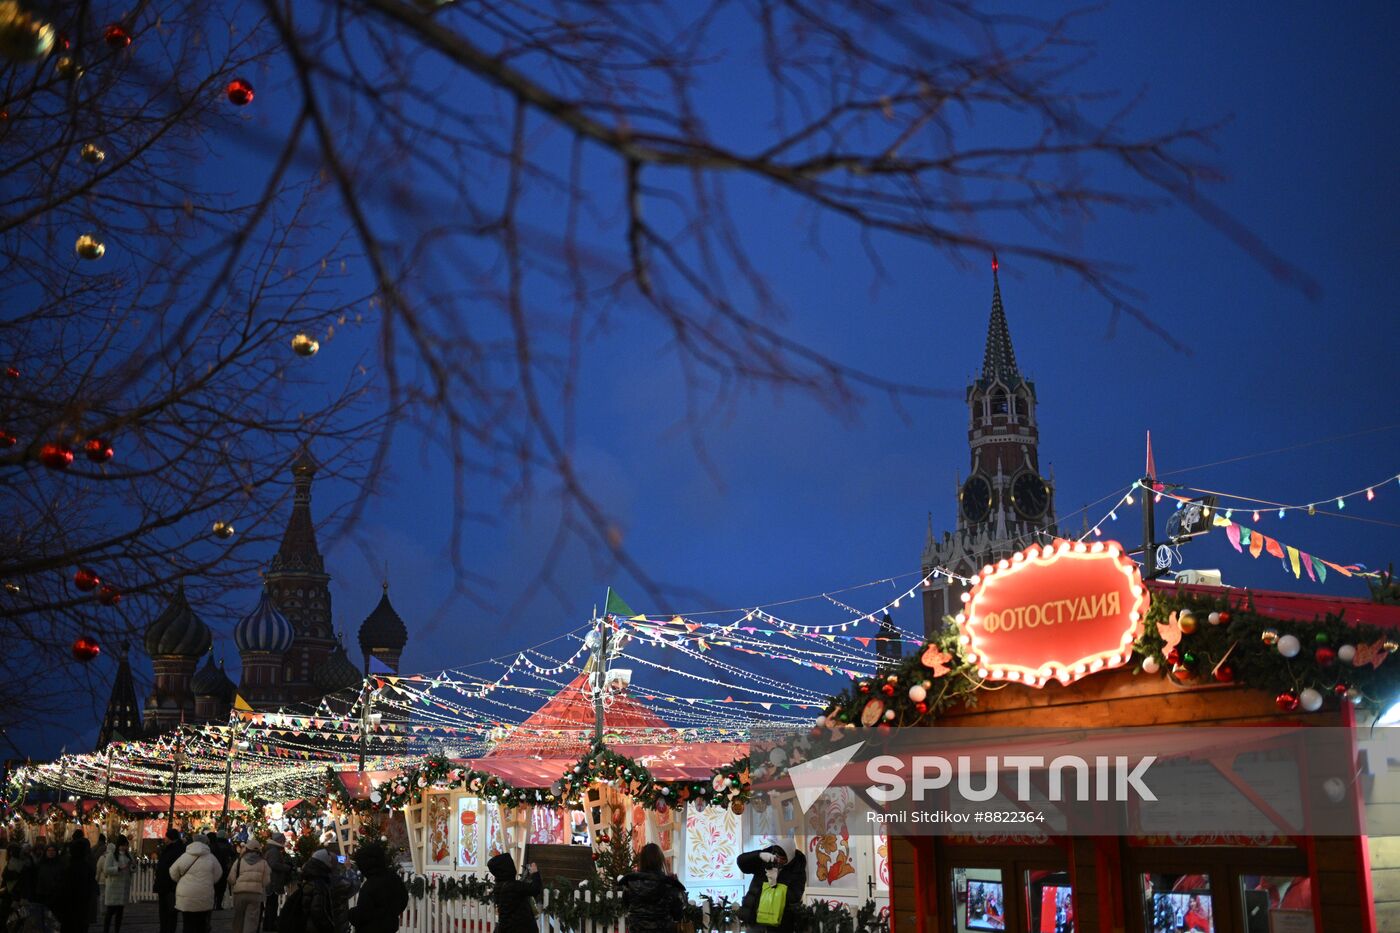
pixel 1056 909
pixel 986 906
pixel 1181 912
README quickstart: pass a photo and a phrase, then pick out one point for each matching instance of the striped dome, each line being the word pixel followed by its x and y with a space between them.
pixel 177 630
pixel 264 629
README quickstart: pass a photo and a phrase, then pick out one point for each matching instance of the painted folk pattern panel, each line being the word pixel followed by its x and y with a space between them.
pixel 712 840
pixel 468 834
pixel 438 816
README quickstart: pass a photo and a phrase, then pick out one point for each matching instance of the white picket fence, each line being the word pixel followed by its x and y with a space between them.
pixel 429 914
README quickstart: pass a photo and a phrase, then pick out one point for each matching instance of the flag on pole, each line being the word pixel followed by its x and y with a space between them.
pixel 614 605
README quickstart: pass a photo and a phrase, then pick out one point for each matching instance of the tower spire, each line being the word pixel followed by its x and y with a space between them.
pixel 123 719
pixel 999 359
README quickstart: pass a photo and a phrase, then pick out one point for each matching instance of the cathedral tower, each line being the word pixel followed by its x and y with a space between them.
pixel 299 586
pixel 1005 504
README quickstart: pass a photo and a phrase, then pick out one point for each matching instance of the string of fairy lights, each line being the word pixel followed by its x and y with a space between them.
pixel 394 720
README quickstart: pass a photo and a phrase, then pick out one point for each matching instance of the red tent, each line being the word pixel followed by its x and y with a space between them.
pixel 563 727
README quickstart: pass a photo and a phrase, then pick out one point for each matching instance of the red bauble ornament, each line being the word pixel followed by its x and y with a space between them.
pixel 7 440
pixel 85 649
pixel 1224 618
pixel 887 690
pixel 1225 674
pixel 56 456
pixel 109 595
pixel 240 92
pixel 1173 657
pixel 921 708
pixel 1340 690
pixel 98 450
pixel 11 372
pixel 1286 701
pixel 1326 656
pixel 86 580
pixel 1181 673
pixel 116 37
pixel 863 688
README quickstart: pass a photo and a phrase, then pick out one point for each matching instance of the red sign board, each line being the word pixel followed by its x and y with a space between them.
pixel 1056 611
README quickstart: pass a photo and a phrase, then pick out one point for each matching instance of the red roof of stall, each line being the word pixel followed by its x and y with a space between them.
pixel 1302 607
pixel 563 727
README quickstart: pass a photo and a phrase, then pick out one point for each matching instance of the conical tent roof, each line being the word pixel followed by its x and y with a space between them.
pixel 563 727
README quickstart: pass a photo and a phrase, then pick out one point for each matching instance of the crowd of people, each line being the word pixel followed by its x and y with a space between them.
pixel 65 889
pixel 271 889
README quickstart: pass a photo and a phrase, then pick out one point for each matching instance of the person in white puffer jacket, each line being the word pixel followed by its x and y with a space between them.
pixel 195 873
pixel 248 880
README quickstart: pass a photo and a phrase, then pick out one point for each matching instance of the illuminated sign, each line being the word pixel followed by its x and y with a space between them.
pixel 1056 611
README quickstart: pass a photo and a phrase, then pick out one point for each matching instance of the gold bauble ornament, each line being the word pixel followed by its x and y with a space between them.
pixel 89 247
pixel 304 345
pixel 91 154
pixel 1269 636
pixel 1187 623
pixel 737 806
pixel 23 36
pixel 223 530
pixel 67 67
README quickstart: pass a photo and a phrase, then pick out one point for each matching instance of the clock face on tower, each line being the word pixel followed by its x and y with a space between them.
pixel 1030 495
pixel 976 499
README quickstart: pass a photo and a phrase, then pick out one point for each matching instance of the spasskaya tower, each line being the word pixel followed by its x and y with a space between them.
pixel 1005 504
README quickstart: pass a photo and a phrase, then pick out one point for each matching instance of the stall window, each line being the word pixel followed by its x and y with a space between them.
pixel 979 899
pixel 1178 903
pixel 1274 903
pixel 1049 902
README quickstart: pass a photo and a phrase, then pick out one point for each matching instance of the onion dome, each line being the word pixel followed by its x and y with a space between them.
pixel 382 629
pixel 177 630
pixel 337 672
pixel 211 681
pixel 264 629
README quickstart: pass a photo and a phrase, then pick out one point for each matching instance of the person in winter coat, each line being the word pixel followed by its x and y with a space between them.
pixel 248 880
pixel 655 899
pixel 117 868
pixel 17 881
pixel 51 882
pixel 196 873
pixel 163 884
pixel 383 896
pixel 79 905
pixel 512 896
pixel 221 850
pixel 780 863
pixel 326 894
pixel 281 867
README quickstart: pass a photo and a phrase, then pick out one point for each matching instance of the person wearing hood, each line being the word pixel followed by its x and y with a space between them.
pixel 163 885
pixel 275 854
pixel 51 882
pixel 80 892
pixel 248 881
pixel 195 874
pixel 116 872
pixel 512 896
pixel 655 900
pixel 219 846
pixel 383 896
pixel 326 894
pixel 780 863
